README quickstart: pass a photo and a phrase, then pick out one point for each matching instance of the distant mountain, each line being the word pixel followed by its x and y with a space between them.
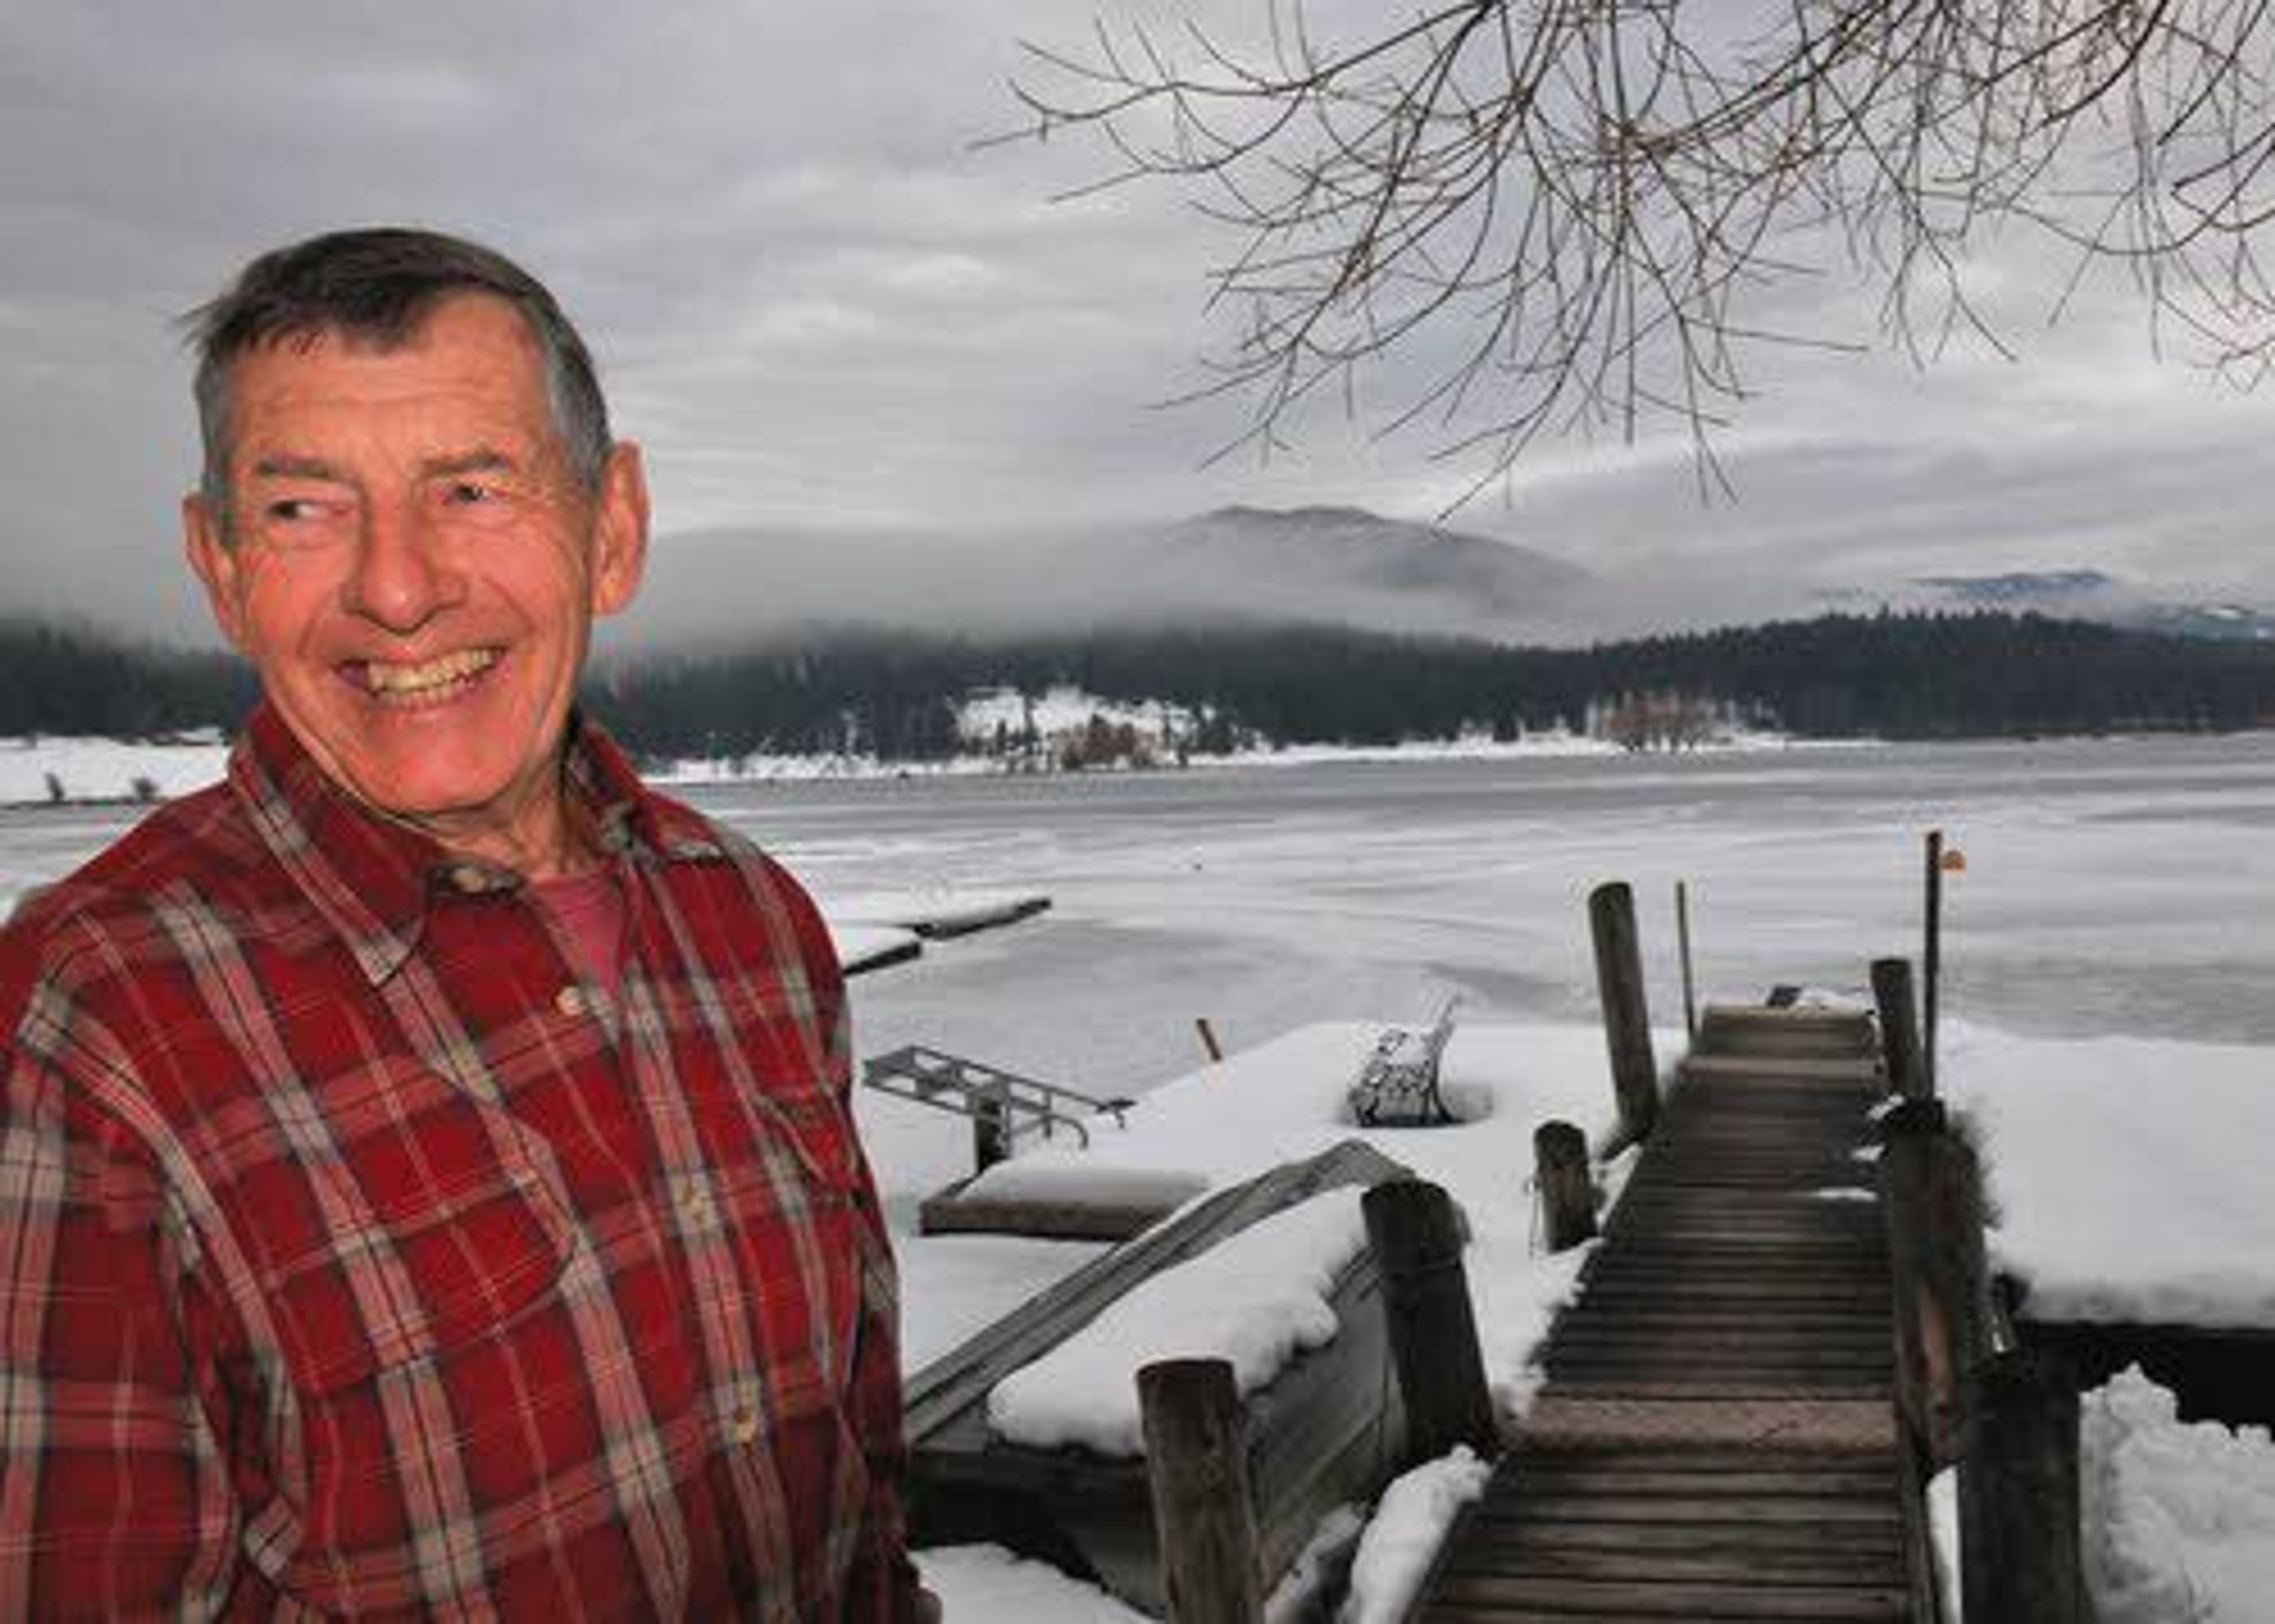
pixel 1405 573
pixel 1254 566
pixel 2089 595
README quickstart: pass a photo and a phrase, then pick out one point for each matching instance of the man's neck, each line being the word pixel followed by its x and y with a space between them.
pixel 549 836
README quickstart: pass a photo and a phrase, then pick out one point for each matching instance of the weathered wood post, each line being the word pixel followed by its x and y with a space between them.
pixel 1689 973
pixel 1626 1020
pixel 2020 1551
pixel 1197 1469
pixel 1568 1190
pixel 1416 1236
pixel 991 1130
pixel 1932 1200
pixel 1891 995
pixel 1931 956
pixel 1209 1044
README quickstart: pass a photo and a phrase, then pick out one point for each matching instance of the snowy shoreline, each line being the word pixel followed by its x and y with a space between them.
pixel 104 772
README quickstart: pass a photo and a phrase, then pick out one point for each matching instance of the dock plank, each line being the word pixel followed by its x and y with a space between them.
pixel 1714 1437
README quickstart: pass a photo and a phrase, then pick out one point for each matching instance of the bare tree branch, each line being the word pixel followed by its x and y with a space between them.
pixel 1583 210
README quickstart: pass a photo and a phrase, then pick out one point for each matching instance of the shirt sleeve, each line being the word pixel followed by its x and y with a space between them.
pixel 112 1498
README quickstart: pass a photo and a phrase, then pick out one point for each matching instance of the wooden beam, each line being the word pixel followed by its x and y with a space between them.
pixel 1415 1231
pixel 2021 1560
pixel 1899 1042
pixel 1566 1185
pixel 1197 1466
pixel 1627 1018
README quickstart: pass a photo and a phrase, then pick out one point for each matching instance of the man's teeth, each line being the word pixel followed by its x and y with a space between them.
pixel 431 675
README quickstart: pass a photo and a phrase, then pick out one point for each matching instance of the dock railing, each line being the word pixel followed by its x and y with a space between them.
pixel 1968 1395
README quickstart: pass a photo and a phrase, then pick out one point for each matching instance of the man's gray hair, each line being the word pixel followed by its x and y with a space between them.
pixel 379 284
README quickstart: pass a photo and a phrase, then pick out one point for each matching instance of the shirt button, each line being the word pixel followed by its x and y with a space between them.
pixel 471 878
pixel 570 999
pixel 697 1207
pixel 747 1423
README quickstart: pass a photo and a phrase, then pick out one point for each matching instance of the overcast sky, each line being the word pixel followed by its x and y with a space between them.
pixel 820 309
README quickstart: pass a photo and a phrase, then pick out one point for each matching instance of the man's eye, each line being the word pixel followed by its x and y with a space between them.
pixel 294 509
pixel 473 493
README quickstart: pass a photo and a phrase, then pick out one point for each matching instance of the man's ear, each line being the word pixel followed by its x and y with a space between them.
pixel 205 541
pixel 619 529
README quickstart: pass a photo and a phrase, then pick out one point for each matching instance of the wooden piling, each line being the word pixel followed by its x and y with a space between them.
pixel 991 1132
pixel 1197 1469
pixel 2020 1556
pixel 1568 1190
pixel 1690 972
pixel 1209 1044
pixel 1416 1236
pixel 1891 993
pixel 1931 956
pixel 1930 1196
pixel 1627 1019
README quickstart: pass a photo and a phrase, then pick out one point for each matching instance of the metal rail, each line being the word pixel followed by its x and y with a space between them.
pixel 950 1083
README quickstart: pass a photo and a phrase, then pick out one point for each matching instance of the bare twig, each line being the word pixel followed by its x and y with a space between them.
pixel 1595 198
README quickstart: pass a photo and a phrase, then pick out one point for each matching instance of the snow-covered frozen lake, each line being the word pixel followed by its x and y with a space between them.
pixel 2113 887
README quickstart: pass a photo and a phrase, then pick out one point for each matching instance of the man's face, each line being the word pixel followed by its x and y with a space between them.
pixel 413 566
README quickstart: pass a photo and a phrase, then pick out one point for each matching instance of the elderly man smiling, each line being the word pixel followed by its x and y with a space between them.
pixel 428 1184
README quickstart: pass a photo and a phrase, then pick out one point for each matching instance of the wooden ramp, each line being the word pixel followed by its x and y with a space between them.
pixel 1715 1439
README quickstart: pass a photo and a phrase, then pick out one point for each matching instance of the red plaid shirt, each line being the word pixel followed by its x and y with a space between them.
pixel 357 1257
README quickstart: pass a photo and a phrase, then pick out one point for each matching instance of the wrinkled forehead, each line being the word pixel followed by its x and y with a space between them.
pixel 470 362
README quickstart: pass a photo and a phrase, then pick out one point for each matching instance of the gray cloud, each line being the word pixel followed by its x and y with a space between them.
pixel 820 309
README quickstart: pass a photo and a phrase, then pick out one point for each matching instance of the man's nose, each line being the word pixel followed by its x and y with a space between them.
pixel 401 578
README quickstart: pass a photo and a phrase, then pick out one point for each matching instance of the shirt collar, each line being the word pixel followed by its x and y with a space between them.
pixel 373 880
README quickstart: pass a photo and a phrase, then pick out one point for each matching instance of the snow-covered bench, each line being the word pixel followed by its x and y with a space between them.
pixel 1398 1085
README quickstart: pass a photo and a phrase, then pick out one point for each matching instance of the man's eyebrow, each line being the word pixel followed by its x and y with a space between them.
pixel 480 459
pixel 288 465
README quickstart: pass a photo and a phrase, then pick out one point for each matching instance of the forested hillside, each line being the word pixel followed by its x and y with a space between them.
pixel 895 696
pixel 72 680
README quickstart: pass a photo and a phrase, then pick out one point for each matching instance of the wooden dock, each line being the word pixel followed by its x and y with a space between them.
pixel 1715 1439
pixel 1328 1431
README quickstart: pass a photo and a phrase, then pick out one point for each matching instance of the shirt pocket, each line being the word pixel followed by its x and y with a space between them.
pixel 416 1221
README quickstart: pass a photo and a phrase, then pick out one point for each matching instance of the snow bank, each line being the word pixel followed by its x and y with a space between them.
pixel 106 769
pixel 1256 1298
pixel 936 910
pixel 986 1584
pixel 1065 1183
pixel 1403 1538
pixel 2112 1172
pixel 2179 1517
pixel 861 946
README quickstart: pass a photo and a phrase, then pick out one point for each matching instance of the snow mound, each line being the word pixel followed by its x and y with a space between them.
pixel 1256 1298
pixel 2179 1517
pixel 1403 1538
pixel 986 1584
pixel 2063 1124
pixel 1071 1182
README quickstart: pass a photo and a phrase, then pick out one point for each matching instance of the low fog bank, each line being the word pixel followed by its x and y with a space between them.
pixel 719 588
pixel 712 589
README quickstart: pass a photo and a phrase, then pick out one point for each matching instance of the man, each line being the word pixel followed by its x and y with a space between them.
pixel 427 1179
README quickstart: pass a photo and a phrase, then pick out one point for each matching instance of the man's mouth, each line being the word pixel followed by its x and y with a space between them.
pixel 430 682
